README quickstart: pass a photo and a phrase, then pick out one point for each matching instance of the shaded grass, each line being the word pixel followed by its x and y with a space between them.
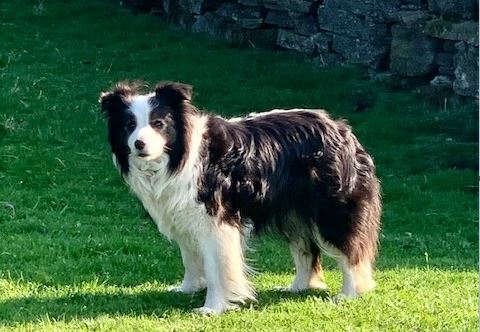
pixel 78 252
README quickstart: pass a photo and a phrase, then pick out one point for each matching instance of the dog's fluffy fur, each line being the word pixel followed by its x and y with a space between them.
pixel 207 181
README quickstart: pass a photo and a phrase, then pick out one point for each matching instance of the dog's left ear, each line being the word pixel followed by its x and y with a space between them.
pixel 172 93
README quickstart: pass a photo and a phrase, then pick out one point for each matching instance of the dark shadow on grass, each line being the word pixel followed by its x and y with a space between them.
pixel 76 306
pixel 157 303
pixel 271 297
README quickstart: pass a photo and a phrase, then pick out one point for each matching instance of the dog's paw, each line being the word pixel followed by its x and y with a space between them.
pixel 183 289
pixel 291 289
pixel 175 289
pixel 341 297
pixel 206 311
pixel 283 289
pixel 295 289
pixel 318 285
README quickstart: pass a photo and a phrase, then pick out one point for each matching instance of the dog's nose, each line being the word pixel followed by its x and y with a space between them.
pixel 139 144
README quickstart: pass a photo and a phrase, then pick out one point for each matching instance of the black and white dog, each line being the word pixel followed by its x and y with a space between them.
pixel 207 181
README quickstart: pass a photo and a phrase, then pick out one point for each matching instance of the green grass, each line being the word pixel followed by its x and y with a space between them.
pixel 77 252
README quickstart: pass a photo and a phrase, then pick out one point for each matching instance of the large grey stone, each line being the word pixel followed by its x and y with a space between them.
pixel 225 24
pixel 412 53
pixel 338 20
pixel 461 31
pixel 356 50
pixel 462 8
pixel 296 42
pixel 217 27
pixel 360 39
pixel 343 22
pixel 466 70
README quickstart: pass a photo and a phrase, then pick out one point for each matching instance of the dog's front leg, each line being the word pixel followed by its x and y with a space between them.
pixel 194 279
pixel 225 269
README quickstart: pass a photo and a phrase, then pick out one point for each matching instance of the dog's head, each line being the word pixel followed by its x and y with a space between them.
pixel 147 126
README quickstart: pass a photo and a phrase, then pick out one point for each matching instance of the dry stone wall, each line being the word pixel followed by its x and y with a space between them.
pixel 428 41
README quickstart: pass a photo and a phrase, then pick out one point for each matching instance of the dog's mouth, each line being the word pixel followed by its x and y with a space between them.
pixel 142 154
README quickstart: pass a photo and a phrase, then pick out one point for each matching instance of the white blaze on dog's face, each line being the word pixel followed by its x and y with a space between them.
pixel 151 129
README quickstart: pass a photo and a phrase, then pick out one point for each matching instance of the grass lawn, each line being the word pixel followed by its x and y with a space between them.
pixel 77 252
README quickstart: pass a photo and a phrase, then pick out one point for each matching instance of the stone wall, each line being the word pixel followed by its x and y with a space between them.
pixel 425 41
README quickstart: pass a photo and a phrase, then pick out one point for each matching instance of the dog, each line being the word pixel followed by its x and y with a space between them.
pixel 207 182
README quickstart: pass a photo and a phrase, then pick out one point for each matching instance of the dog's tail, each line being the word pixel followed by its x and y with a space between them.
pixel 346 166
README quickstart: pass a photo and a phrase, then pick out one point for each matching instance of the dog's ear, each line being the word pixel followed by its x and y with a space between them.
pixel 114 100
pixel 110 101
pixel 172 93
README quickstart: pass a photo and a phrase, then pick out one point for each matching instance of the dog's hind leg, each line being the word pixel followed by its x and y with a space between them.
pixel 357 278
pixel 225 269
pixel 309 272
pixel 356 266
pixel 360 249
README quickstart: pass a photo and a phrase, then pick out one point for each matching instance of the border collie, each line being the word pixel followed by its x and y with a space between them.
pixel 207 181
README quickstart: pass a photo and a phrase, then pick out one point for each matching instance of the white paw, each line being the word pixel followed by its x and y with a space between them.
pixel 297 289
pixel 319 285
pixel 206 311
pixel 341 297
pixel 286 289
pixel 174 289
pixel 183 289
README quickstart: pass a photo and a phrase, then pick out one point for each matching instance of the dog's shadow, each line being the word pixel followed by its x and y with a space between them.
pixel 158 303
pixel 267 298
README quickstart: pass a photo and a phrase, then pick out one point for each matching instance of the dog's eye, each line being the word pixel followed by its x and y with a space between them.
pixel 159 124
pixel 131 124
